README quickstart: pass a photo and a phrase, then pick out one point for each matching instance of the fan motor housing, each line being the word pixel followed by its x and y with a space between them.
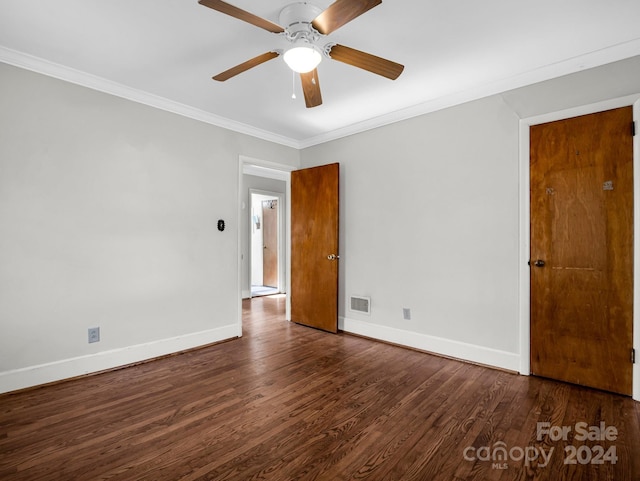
pixel 297 17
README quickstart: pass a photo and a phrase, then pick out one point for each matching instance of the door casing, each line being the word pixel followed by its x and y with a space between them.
pixel 524 230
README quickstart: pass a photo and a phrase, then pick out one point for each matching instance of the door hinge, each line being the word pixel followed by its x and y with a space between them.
pixel 633 356
pixel 633 129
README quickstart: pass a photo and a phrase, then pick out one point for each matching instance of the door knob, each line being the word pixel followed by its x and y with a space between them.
pixel 332 257
pixel 539 263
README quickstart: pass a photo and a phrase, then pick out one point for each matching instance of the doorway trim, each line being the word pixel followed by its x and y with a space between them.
pixel 525 217
pixel 269 170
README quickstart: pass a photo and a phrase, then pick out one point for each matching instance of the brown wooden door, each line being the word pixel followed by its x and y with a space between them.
pixel 314 247
pixel 582 231
pixel 270 243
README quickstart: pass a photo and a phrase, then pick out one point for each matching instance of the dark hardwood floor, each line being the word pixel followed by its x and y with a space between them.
pixel 287 402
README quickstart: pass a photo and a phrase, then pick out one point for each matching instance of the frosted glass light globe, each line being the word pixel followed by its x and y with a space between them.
pixel 302 59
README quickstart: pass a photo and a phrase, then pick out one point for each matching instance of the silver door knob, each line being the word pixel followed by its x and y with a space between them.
pixel 332 257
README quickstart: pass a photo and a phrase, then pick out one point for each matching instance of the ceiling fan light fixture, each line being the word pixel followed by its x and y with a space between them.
pixel 302 59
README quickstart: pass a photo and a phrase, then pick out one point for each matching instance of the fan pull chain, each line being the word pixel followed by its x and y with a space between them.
pixel 293 85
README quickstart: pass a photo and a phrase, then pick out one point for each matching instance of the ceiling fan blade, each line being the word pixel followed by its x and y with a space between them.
pixel 240 14
pixel 311 88
pixel 238 69
pixel 366 61
pixel 341 12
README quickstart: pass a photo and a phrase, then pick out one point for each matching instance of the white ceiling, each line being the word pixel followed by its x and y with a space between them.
pixel 164 53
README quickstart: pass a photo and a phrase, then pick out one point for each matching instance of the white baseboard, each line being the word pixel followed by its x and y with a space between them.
pixel 436 345
pixel 78 366
pixel 246 294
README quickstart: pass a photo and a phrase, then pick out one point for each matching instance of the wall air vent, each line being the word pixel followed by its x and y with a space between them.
pixel 360 304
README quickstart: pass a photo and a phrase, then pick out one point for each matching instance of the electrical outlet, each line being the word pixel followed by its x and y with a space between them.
pixel 94 334
pixel 406 313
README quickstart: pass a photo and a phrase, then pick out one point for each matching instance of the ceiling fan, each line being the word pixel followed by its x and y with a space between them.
pixel 306 27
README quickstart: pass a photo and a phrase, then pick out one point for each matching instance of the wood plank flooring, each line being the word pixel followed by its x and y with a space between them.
pixel 287 402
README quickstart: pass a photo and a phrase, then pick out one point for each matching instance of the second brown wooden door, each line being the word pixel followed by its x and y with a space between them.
pixel 582 250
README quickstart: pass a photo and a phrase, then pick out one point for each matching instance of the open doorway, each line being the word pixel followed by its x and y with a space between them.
pixel 266 252
pixel 264 177
pixel 273 191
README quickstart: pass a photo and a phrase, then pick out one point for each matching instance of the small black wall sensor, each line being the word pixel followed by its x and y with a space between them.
pixel 220 225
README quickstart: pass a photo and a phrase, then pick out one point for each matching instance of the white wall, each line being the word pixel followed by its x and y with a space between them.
pixel 108 213
pixel 430 218
pixel 429 221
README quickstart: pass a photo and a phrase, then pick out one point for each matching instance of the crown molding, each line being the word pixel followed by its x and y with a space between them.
pixel 576 64
pixel 83 79
pixel 547 72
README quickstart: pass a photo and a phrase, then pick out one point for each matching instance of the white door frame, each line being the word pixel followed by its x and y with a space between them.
pixel 281 228
pixel 524 234
pixel 270 170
